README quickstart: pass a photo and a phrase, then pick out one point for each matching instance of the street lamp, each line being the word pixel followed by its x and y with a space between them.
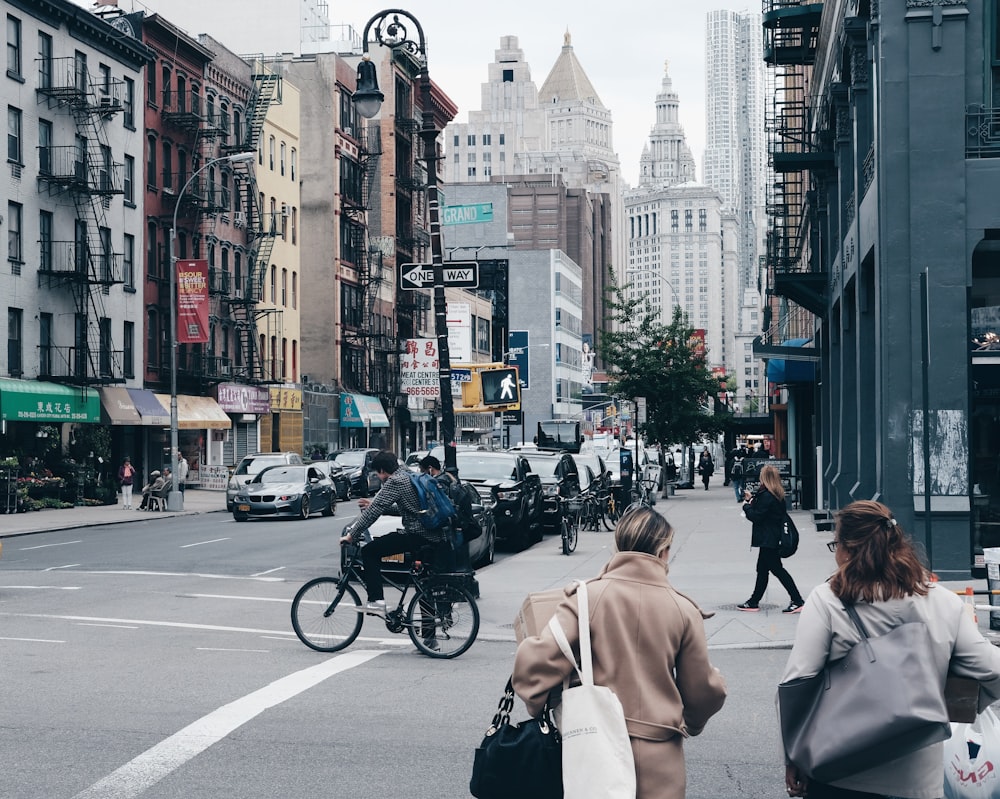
pixel 175 499
pixel 389 31
pixel 631 270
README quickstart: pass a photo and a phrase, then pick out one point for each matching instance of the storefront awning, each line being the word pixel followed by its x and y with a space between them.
pixel 799 366
pixel 151 412
pixel 38 401
pixel 197 413
pixel 117 407
pixel 359 410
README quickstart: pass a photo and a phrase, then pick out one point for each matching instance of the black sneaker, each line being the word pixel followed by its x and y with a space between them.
pixel 750 607
pixel 793 607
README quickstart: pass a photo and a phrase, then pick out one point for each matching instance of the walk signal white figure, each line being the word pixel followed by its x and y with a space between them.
pixel 507 387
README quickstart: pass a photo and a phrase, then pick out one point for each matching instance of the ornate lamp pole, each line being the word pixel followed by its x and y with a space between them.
pixel 389 30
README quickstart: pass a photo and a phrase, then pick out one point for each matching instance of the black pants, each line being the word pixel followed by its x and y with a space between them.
pixel 394 544
pixel 768 562
pixel 820 791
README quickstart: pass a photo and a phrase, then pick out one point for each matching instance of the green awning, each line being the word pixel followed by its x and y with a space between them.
pixel 37 401
pixel 359 410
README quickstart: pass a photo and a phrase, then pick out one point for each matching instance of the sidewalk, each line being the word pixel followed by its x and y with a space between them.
pixel 13 524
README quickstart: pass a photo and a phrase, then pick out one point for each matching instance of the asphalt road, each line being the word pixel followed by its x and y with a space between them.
pixel 156 659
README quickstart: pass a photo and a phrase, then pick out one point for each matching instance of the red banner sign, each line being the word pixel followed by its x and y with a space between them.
pixel 192 302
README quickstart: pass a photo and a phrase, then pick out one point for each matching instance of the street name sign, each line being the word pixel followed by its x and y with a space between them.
pixel 466 214
pixel 457 274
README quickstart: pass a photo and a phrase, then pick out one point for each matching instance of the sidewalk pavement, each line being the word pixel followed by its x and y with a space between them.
pixel 195 501
pixel 711 561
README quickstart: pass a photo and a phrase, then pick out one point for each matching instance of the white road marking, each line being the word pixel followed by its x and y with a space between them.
pixel 34 640
pixel 45 587
pixel 220 649
pixel 229 596
pixel 154 764
pixel 189 574
pixel 199 543
pixel 67 566
pixel 46 546
pixel 119 626
pixel 269 571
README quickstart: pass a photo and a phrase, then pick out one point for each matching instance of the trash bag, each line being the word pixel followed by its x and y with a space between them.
pixel 972 759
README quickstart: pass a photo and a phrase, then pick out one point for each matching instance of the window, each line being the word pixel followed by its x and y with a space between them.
pixel 14 139
pixel 81 77
pixel 44 147
pixel 128 262
pixel 455 142
pixel 15 247
pixel 487 139
pixel 128 349
pixel 501 141
pixel 128 104
pixel 151 162
pixel 274 285
pixel 44 61
pixel 168 163
pixel 105 176
pixel 295 222
pixel 294 163
pixel 45 344
pixel 152 339
pixel 508 76
pixel 284 288
pixel 702 220
pixel 282 162
pixel 688 221
pixel 350 305
pixel 129 180
pixel 295 289
pixel 151 235
pixel 270 152
pixel 15 318
pixel 104 360
pixel 45 240
pixel 104 85
pixel 472 140
pixel 674 221
pixel 13 47
pixel 150 84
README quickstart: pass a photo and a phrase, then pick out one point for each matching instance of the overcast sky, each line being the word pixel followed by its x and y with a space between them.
pixel 621 45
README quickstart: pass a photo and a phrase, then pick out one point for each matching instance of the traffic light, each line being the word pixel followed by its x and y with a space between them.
pixel 500 387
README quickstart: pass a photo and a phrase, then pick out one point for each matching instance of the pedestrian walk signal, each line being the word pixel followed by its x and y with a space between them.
pixel 500 387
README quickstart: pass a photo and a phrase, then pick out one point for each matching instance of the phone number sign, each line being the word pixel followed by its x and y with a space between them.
pixel 418 368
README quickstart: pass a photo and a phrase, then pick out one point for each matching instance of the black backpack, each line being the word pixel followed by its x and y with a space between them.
pixel 464 495
pixel 788 540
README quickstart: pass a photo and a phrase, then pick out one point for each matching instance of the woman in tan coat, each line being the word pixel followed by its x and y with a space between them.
pixel 649 647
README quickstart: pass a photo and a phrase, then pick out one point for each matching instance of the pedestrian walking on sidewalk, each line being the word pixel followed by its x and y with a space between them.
pixel 649 647
pixel 706 466
pixel 766 509
pixel 881 574
pixel 126 476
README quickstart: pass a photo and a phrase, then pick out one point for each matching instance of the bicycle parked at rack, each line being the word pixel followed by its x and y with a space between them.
pixel 591 513
pixel 442 618
pixel 642 493
pixel 569 527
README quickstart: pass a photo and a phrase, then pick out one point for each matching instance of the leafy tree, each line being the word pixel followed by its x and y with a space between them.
pixel 666 364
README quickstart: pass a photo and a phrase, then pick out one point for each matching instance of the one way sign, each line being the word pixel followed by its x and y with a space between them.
pixel 457 274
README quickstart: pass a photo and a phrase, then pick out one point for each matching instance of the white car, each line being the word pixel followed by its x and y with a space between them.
pixel 252 465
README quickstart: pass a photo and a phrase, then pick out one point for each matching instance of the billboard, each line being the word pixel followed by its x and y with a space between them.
pixel 517 354
pixel 418 369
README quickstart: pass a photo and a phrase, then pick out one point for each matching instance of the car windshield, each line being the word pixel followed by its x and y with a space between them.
pixel 255 465
pixel 350 458
pixel 478 467
pixel 588 460
pixel 542 466
pixel 282 474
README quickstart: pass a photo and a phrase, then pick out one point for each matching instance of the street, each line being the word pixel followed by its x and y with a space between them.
pixel 155 658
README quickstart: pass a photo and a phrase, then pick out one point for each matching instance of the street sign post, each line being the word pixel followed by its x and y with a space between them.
pixel 457 274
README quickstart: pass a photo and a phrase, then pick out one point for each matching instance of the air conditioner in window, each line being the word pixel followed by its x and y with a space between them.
pixel 225 369
pixel 239 218
pixel 348 131
pixel 238 293
pixel 286 209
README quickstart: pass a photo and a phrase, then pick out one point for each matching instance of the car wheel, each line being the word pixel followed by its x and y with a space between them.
pixel 488 554
pixel 304 508
pixel 240 517
pixel 331 507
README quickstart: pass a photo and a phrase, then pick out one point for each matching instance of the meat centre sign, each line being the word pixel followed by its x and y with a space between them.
pixel 418 369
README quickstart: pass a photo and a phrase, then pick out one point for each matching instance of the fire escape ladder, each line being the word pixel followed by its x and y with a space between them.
pixel 266 90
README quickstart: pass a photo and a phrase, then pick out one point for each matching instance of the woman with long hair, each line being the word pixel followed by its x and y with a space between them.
pixel 881 574
pixel 649 647
pixel 766 509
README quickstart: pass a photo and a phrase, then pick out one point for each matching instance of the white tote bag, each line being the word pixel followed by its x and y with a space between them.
pixel 596 752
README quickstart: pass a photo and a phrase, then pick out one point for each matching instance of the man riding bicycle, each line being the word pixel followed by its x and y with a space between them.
pixel 396 489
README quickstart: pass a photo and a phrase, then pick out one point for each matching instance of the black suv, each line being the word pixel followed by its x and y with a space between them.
pixel 357 466
pixel 506 480
pixel 560 483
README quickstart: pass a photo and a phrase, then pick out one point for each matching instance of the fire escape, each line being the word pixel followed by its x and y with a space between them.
pixel 251 321
pixel 87 265
pixel 797 151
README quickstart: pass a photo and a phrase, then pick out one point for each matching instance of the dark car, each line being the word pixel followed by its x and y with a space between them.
pixel 598 469
pixel 341 482
pixel 560 483
pixel 287 490
pixel 506 480
pixel 357 466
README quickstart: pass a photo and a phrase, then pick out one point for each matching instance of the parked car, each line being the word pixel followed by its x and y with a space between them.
pixel 597 466
pixel 506 480
pixel 412 461
pixel 341 483
pixel 286 490
pixel 357 465
pixel 252 465
pixel 560 483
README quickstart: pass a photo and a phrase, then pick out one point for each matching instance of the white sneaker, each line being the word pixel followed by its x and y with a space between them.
pixel 378 607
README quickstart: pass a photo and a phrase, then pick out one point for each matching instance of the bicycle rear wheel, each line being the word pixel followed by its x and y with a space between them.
pixel 570 534
pixel 612 513
pixel 442 619
pixel 325 614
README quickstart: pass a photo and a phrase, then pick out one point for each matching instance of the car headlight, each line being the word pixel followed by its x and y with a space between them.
pixel 507 495
pixel 551 491
pixel 288 497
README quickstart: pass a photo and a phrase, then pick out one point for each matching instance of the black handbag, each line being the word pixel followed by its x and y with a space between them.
pixel 518 760
pixel 884 699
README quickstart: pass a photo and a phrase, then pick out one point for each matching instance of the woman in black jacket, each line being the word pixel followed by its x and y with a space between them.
pixel 766 509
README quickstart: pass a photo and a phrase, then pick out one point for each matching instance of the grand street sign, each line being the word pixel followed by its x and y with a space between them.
pixel 457 274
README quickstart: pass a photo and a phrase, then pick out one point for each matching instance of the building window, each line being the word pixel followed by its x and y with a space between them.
pixel 81 77
pixel 14 138
pixel 270 153
pixel 487 139
pixel 129 180
pixel 45 344
pixel 45 240
pixel 106 168
pixel 151 267
pixel 128 349
pixel 350 305
pixel 702 220
pixel 472 140
pixel 295 290
pixel 688 221
pixel 295 222
pixel 104 359
pixel 282 162
pixel 44 61
pixel 168 165
pixel 44 147
pixel 15 318
pixel 151 163
pixel 104 86
pixel 152 339
pixel 508 76
pixel 472 172
pixel 284 288
pixel 294 162
pixel 150 84
pixel 674 221
pixel 274 285
pixel 128 262
pixel 15 247
pixel 13 47
pixel 128 105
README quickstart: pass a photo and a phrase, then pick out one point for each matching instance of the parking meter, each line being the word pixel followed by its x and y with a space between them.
pixel 626 463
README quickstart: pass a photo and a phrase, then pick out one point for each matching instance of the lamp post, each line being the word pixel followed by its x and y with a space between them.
pixel 175 499
pixel 389 30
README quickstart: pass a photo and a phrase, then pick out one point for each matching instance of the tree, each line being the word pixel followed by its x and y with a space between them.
pixel 666 364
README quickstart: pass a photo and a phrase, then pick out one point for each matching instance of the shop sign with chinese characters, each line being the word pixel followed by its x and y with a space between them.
pixel 418 369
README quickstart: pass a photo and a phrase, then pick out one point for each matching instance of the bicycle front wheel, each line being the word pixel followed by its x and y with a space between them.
pixel 325 614
pixel 570 535
pixel 442 619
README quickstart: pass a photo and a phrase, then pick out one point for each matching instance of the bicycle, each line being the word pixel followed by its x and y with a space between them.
pixel 442 618
pixel 569 526
pixel 642 493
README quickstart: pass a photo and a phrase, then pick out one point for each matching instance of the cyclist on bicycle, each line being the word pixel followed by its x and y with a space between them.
pixel 396 489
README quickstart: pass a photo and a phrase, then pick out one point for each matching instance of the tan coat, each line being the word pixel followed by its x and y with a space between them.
pixel 649 647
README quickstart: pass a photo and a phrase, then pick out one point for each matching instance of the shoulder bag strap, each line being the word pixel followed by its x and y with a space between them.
pixel 853 613
pixel 585 669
